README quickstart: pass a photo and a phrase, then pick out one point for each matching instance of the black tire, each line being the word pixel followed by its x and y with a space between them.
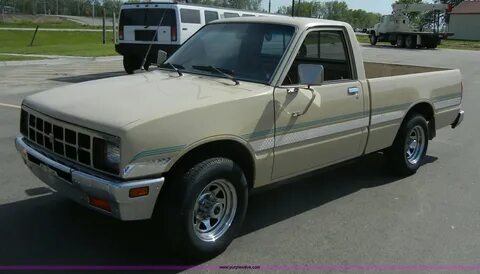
pixel 146 66
pixel 180 200
pixel 410 42
pixel 131 63
pixel 398 153
pixel 400 41
pixel 373 39
pixel 393 43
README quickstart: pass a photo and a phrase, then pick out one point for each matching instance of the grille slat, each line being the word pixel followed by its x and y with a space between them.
pixel 65 142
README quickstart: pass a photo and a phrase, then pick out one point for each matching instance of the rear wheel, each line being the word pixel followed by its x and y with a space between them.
pixel 204 208
pixel 410 42
pixel 131 63
pixel 400 41
pixel 410 145
pixel 373 39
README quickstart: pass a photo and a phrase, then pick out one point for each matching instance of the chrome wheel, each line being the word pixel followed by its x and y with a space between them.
pixel 214 210
pixel 415 145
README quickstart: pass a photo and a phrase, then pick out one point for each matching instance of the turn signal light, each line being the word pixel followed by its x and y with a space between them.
pixel 138 192
pixel 100 203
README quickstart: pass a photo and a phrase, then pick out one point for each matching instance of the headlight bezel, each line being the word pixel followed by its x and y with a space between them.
pixel 107 155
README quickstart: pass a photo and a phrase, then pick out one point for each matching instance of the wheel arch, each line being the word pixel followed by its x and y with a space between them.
pixel 426 109
pixel 231 147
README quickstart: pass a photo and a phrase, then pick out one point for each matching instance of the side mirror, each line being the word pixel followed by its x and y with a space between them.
pixel 311 74
pixel 161 57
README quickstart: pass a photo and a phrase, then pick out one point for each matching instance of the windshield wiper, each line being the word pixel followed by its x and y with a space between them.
pixel 174 67
pixel 225 72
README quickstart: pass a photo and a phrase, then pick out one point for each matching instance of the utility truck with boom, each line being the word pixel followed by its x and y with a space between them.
pixel 244 103
pixel 398 30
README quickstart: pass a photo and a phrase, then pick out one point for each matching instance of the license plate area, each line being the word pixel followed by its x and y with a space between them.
pixel 144 35
pixel 52 171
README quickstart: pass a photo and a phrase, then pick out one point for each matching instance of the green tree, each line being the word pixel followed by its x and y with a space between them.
pixel 236 4
pixel 333 10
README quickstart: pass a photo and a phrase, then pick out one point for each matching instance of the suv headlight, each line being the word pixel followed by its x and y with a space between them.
pixel 106 155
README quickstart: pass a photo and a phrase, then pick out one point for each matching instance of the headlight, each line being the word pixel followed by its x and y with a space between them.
pixel 106 155
pixel 112 156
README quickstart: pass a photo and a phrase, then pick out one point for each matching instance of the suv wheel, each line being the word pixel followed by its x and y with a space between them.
pixel 206 208
pixel 131 63
pixel 410 146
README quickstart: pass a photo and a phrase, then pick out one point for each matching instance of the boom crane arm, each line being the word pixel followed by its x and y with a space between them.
pixel 406 8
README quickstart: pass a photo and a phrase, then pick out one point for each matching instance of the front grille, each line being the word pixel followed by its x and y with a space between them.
pixel 65 142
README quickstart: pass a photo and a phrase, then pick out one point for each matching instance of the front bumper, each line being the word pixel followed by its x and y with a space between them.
pixel 81 187
pixel 459 119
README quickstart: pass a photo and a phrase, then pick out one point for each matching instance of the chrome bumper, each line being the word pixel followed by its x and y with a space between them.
pixel 80 186
pixel 459 119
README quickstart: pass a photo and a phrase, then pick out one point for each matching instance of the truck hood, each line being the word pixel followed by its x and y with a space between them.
pixel 110 105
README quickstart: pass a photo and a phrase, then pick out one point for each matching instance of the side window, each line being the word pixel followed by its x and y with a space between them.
pixel 230 15
pixel 326 48
pixel 210 16
pixel 248 15
pixel 190 16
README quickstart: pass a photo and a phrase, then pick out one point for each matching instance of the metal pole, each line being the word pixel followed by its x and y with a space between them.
pixel 93 12
pixel 45 6
pixel 34 35
pixel 269 6
pixel 114 28
pixel 103 27
pixel 293 8
pixel 57 7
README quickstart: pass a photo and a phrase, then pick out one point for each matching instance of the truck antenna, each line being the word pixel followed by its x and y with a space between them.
pixel 153 39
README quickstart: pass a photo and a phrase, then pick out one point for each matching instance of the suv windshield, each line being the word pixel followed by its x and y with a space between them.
pixel 246 51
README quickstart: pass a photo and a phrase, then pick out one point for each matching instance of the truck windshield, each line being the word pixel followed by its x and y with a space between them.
pixel 246 51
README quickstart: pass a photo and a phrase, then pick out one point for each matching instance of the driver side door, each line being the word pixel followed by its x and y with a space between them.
pixel 333 123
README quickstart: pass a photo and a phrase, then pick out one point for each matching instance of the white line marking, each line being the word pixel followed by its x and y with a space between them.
pixel 10 106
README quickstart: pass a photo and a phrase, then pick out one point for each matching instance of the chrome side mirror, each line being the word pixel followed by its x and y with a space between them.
pixel 161 57
pixel 311 74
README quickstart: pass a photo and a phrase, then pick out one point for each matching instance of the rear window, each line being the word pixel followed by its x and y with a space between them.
pixel 230 14
pixel 190 16
pixel 147 17
pixel 210 16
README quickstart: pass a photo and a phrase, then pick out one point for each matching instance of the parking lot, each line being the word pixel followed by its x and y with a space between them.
pixel 353 214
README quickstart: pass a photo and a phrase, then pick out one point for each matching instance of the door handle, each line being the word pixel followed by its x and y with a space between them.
pixel 353 91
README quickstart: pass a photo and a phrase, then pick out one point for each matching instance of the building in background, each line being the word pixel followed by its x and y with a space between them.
pixel 465 20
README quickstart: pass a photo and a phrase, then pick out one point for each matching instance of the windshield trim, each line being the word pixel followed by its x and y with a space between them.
pixel 274 74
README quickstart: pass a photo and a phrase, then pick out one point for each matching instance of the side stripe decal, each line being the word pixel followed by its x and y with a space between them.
pixel 264 139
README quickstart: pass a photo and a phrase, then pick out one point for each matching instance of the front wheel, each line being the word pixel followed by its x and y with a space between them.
pixel 410 146
pixel 206 208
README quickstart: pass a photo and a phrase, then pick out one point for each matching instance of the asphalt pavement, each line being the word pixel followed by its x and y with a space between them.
pixel 353 214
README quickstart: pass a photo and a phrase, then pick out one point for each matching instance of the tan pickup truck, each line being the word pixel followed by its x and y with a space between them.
pixel 244 103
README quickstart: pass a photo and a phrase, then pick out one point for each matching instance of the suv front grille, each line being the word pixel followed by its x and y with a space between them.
pixel 64 142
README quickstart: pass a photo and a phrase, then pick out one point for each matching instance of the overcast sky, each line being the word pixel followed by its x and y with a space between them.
pixel 381 6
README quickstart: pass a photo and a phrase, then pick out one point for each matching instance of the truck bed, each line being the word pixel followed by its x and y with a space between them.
pixel 394 89
pixel 379 70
